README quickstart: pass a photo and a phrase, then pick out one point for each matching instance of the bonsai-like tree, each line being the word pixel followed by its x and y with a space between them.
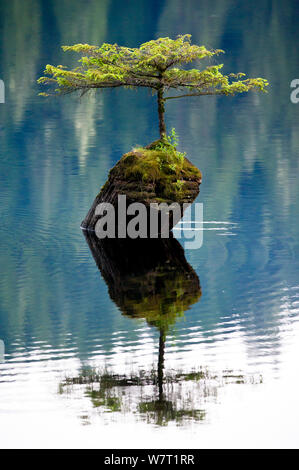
pixel 155 64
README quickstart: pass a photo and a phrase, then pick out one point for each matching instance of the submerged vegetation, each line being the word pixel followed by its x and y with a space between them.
pixel 155 65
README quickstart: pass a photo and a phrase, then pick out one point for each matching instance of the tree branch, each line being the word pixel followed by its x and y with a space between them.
pixel 219 92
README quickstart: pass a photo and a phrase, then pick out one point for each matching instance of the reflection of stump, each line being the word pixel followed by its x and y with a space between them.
pixel 148 176
pixel 146 278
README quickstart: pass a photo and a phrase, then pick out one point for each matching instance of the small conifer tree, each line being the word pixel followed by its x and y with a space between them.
pixel 155 64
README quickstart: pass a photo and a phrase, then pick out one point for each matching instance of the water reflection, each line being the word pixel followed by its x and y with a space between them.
pixel 149 279
pixel 155 396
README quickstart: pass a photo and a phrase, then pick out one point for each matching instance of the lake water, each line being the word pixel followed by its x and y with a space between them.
pixel 85 353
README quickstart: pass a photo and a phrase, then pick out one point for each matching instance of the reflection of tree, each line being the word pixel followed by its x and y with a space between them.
pixel 184 398
pixel 149 279
pixel 140 394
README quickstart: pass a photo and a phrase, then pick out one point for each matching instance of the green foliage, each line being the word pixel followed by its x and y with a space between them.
pixel 168 144
pixel 154 64
pixel 173 138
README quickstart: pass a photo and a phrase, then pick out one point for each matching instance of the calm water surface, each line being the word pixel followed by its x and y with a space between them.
pixel 199 351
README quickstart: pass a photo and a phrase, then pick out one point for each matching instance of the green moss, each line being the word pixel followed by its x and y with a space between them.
pixel 158 163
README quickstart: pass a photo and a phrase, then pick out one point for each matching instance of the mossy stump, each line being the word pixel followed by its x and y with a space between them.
pixel 153 174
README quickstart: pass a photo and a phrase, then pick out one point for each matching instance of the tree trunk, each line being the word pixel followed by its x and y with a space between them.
pixel 161 112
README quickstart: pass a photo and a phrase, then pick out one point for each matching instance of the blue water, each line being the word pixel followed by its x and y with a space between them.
pixel 56 316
